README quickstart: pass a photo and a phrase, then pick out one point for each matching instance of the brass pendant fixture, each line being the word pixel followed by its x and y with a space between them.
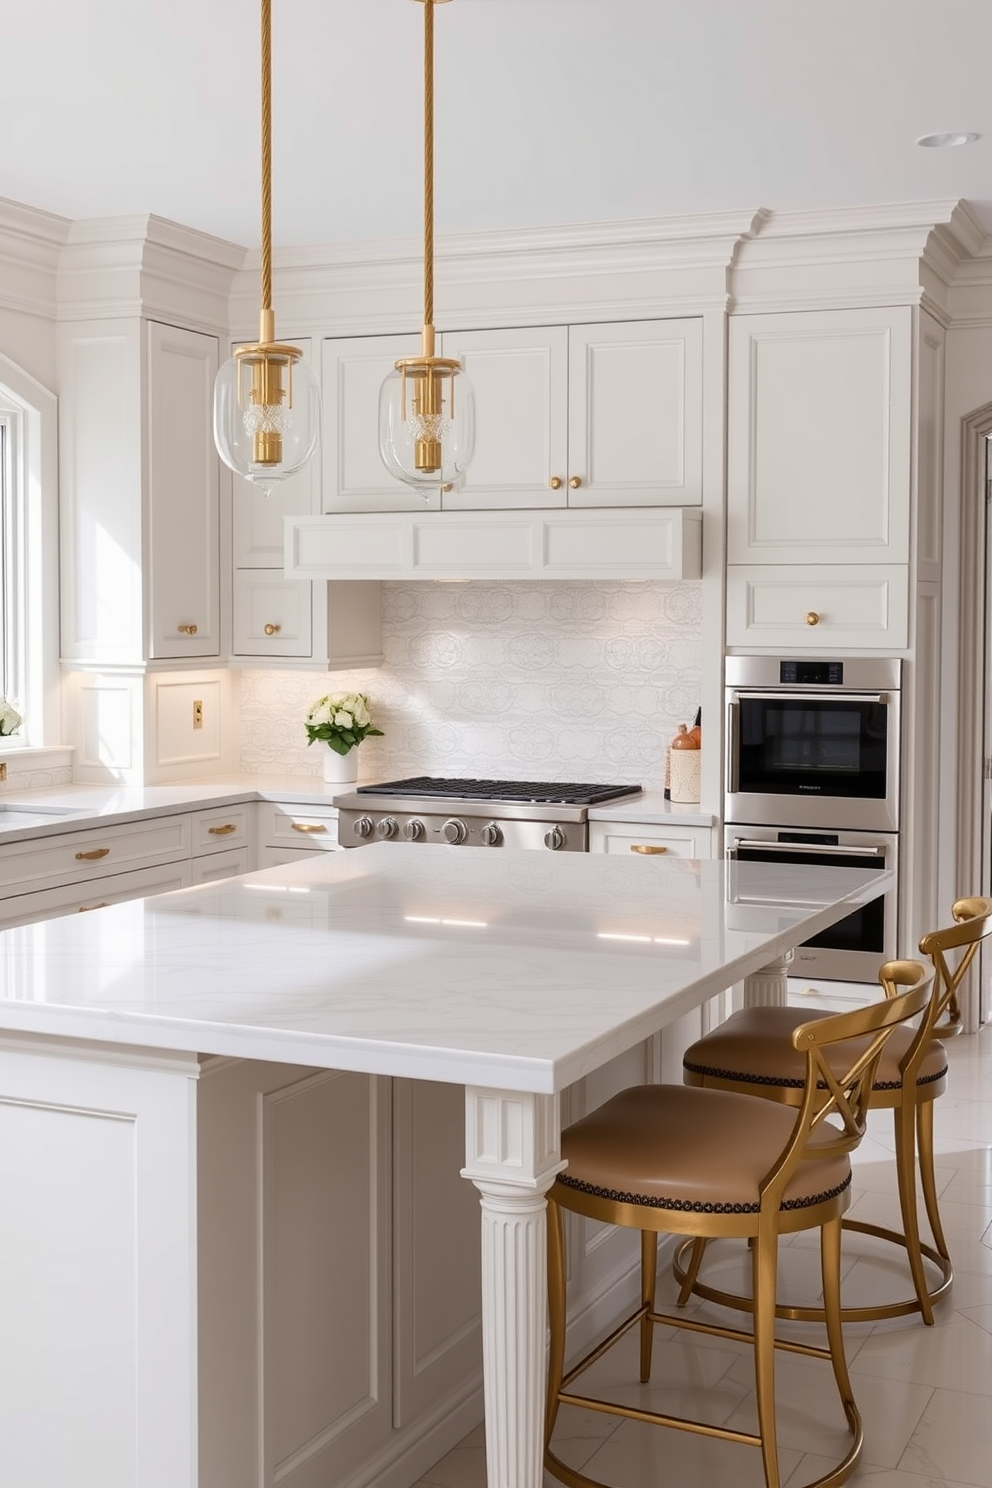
pixel 426 427
pixel 266 401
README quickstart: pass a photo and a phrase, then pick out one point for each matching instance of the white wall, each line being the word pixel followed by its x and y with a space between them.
pixel 546 681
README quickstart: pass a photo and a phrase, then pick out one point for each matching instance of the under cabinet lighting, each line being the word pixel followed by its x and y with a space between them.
pixel 642 939
pixel 434 920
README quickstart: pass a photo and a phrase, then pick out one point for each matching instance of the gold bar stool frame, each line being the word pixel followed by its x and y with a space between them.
pixel 683 1160
pixel 752 1053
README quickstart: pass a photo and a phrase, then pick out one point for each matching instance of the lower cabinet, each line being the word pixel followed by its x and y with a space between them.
pixel 287 832
pixel 339 1299
pixel 628 837
pixel 74 898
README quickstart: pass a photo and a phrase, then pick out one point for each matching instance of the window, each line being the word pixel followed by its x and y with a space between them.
pixel 29 645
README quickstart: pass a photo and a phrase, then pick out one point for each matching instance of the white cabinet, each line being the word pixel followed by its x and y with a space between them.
pixel 139 493
pixel 334 625
pixel 79 898
pixel 820 437
pixel 580 416
pixel 820 489
pixel 675 841
pixel 339 1275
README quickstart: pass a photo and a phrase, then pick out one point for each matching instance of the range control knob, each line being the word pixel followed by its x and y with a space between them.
pixel 491 834
pixel 363 826
pixel 554 839
pixel 454 830
pixel 413 831
pixel 387 827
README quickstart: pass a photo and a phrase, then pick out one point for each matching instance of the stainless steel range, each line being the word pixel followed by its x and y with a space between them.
pixel 475 813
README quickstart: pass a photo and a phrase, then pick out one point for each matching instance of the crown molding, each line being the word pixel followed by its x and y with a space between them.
pixel 146 265
pixel 30 243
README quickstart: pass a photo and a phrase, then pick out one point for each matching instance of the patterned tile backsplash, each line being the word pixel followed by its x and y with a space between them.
pixel 543 681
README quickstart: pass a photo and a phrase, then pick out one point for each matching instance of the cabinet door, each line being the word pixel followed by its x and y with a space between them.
pixel 183 547
pixel 257 518
pixel 294 1276
pixel 272 615
pixel 635 414
pixel 354 477
pixel 214 866
pixel 819 437
pixel 521 408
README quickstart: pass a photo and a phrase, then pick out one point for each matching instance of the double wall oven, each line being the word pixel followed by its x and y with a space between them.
pixel 813 777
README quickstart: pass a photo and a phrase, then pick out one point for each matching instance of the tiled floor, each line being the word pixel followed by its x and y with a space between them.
pixel 925 1393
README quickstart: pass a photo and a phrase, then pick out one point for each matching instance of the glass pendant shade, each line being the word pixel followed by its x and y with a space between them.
pixel 427 423
pixel 266 413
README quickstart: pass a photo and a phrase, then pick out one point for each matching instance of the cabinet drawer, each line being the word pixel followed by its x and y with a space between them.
pixel 859 606
pixel 312 828
pixel 24 909
pixel 78 856
pixel 675 842
pixel 275 857
pixel 216 865
pixel 216 831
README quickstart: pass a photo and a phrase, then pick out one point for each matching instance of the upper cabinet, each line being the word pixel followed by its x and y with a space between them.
pixel 577 416
pixel 820 434
pixel 139 493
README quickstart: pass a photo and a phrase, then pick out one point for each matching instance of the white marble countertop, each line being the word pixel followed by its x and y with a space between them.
pixel 651 809
pixel 77 807
pixel 513 970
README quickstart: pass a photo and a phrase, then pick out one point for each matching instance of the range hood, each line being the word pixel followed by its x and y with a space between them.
pixel 562 543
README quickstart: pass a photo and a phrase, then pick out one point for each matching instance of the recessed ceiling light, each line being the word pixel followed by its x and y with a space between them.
pixel 946 141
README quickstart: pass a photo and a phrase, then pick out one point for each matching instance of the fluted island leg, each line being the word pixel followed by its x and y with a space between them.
pixel 512 1157
pixel 769 987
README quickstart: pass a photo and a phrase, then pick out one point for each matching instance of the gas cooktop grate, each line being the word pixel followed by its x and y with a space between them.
pixel 543 791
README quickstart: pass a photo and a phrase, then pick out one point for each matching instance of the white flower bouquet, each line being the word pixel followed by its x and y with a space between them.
pixel 341 721
pixel 10 719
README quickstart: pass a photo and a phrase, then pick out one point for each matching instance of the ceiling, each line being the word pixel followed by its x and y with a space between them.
pixel 548 111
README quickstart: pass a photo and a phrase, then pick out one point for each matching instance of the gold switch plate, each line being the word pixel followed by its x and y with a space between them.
pixel 197 714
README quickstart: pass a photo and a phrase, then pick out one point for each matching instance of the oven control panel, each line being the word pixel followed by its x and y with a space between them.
pixel 811 673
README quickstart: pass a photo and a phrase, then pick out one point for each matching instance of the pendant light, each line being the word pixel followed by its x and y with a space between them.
pixel 426 405
pixel 266 402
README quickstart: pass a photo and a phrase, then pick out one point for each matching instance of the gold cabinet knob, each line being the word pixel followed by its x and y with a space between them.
pixel 186 629
pixel 575 482
pixel 272 629
pixel 812 618
pixel 649 848
pixel 555 483
pixel 448 486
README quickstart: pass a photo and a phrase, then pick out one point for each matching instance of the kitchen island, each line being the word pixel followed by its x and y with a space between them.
pixel 513 975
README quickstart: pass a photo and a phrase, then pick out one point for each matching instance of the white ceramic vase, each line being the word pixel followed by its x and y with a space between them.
pixel 340 769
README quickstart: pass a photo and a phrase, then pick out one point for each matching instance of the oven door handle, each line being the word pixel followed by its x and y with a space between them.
pixel 797 695
pixel 810 847
pixel 733 745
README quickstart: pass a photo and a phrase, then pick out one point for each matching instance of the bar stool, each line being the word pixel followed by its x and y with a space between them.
pixel 752 1052
pixel 671 1158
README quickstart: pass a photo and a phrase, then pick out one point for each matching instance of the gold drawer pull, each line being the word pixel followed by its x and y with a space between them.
pixel 271 630
pixel 222 831
pixel 91 857
pixel 186 629
pixel 812 618
pixel 85 908
pixel 644 847
pixel 308 827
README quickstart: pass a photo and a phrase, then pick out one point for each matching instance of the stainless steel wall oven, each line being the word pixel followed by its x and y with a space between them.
pixel 813 777
pixel 813 742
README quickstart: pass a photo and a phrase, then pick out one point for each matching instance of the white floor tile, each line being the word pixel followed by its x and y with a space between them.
pixel 953 1439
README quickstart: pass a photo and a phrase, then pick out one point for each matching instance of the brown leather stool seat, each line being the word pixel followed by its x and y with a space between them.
pixel 688 1161
pixel 752 1052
